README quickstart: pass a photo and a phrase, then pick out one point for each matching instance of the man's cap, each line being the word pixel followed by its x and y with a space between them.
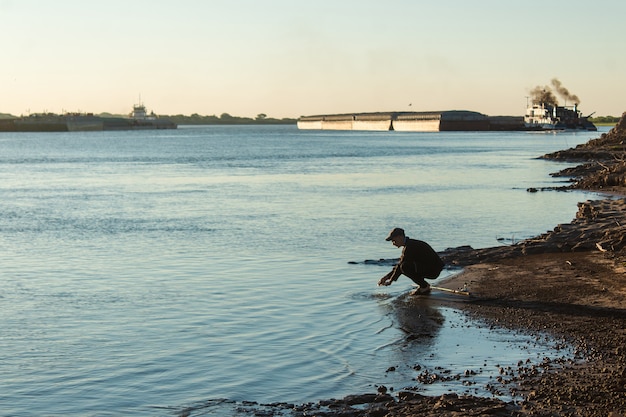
pixel 396 231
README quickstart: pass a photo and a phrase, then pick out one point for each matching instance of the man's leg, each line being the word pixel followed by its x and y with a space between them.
pixel 419 280
pixel 424 287
pixel 416 277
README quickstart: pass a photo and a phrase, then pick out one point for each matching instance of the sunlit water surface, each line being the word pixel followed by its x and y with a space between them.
pixel 144 272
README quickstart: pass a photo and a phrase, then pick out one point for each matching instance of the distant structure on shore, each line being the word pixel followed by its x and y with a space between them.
pixel 139 119
pixel 439 121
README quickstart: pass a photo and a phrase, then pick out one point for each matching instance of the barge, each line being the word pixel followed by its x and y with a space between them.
pixel 538 117
pixel 138 119
pixel 434 121
pixel 544 113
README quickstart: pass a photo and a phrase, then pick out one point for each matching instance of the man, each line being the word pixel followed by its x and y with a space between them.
pixel 418 261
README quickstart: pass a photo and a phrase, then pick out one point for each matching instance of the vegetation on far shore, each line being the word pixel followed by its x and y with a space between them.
pixel 227 119
pixel 196 119
pixel 604 120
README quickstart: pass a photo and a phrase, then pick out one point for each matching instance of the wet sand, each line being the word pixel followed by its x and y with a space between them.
pixel 569 283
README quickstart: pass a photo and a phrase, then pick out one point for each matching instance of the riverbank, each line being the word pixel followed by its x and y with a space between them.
pixel 569 283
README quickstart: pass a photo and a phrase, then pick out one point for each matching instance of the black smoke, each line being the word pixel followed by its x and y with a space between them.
pixel 547 96
pixel 564 92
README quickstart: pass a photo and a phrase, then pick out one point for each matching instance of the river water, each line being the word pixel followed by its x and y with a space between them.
pixel 146 272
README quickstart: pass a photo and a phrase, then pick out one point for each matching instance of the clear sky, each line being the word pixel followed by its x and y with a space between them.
pixel 288 58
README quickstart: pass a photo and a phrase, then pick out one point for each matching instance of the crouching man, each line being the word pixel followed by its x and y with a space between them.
pixel 419 261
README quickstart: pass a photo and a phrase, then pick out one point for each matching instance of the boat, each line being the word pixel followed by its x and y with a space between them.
pixel 544 113
pixel 434 121
pixel 540 117
pixel 545 116
pixel 138 119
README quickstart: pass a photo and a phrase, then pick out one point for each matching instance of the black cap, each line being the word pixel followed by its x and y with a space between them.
pixel 396 231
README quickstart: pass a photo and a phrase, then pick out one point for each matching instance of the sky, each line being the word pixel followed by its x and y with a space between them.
pixel 290 58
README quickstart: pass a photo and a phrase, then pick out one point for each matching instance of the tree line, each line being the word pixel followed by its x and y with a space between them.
pixel 227 119
pixel 604 120
pixel 196 119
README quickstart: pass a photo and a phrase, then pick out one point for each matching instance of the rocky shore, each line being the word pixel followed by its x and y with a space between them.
pixel 569 283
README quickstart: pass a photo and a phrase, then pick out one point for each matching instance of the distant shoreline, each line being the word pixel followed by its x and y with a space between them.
pixel 262 119
pixel 194 119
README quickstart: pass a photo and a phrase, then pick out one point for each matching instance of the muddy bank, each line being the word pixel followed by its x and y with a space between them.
pixel 603 161
pixel 599 225
pixel 579 297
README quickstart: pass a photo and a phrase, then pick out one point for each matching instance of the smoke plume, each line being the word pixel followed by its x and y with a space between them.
pixel 547 96
pixel 543 95
pixel 564 92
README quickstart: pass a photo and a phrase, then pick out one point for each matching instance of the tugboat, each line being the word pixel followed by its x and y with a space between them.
pixel 140 119
pixel 542 116
pixel 544 113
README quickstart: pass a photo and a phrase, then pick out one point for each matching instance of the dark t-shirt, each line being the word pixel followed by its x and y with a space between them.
pixel 418 258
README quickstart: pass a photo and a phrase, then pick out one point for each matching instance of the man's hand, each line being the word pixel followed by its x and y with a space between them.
pixel 386 280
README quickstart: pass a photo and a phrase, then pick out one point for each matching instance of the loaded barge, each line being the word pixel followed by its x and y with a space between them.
pixel 560 118
pixel 139 119
pixel 399 121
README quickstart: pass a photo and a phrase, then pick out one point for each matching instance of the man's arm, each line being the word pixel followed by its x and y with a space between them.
pixel 395 272
pixel 390 277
